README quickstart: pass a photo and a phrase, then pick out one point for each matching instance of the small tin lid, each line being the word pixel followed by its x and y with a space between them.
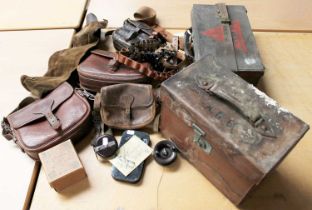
pixel 105 146
pixel 165 152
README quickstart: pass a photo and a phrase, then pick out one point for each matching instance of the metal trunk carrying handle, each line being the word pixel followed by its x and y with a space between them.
pixel 241 101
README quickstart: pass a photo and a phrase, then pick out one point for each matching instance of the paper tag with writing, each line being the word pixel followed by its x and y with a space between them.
pixel 131 155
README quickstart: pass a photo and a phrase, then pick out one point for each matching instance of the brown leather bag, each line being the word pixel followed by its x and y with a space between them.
pixel 63 114
pixel 101 69
pixel 126 106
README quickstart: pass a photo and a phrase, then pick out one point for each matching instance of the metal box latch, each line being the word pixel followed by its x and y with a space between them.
pixel 202 143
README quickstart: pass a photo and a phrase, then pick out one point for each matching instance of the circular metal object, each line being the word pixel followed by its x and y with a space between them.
pixel 165 152
pixel 105 146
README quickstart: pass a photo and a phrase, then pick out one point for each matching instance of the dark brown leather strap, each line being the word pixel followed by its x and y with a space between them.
pixel 51 118
pixel 97 102
pixel 112 64
pixel 144 68
pixel 148 15
pixel 167 35
pixel 145 14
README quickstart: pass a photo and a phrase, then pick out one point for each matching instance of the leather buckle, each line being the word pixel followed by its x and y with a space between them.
pixel 52 119
pixel 127 101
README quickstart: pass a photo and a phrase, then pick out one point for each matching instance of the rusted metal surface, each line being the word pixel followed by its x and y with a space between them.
pixel 246 133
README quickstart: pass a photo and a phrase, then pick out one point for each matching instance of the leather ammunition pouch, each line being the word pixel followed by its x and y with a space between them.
pixel 126 106
pixel 61 115
pixel 101 69
pixel 133 32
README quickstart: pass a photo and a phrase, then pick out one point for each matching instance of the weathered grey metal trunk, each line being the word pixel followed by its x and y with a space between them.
pixel 225 33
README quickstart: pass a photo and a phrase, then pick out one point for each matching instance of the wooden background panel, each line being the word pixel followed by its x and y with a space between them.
pixel 278 15
pixel 41 14
pixel 180 186
pixel 21 52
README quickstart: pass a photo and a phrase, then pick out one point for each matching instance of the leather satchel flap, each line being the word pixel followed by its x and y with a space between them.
pixel 117 96
pixel 102 65
pixel 42 108
pixel 127 105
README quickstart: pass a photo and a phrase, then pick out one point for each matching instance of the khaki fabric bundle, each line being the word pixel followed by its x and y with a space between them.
pixel 63 63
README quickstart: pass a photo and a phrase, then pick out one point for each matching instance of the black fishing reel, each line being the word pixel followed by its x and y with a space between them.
pixel 165 152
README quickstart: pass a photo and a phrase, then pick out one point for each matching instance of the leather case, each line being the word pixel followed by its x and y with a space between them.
pixel 100 69
pixel 133 32
pixel 126 106
pixel 229 130
pixel 61 115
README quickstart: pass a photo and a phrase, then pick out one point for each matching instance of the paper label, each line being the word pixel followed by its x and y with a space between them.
pixel 130 132
pixel 131 155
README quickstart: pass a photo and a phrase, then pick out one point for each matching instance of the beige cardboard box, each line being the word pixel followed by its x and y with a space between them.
pixel 62 165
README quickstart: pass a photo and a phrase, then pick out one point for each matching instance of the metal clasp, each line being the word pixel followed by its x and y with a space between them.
pixel 84 93
pixel 202 143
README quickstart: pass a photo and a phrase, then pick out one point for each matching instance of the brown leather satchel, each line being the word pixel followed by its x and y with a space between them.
pixel 126 106
pixel 63 114
pixel 101 69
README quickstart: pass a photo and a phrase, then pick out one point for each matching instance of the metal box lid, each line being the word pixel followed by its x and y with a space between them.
pixel 244 121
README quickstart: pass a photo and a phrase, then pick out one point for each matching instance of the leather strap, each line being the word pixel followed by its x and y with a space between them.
pixel 51 118
pixel 97 120
pixel 145 14
pixel 243 101
pixel 188 48
pixel 144 68
pixel 112 64
pixel 127 101
pixel 167 35
pixel 97 102
pixel 148 15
